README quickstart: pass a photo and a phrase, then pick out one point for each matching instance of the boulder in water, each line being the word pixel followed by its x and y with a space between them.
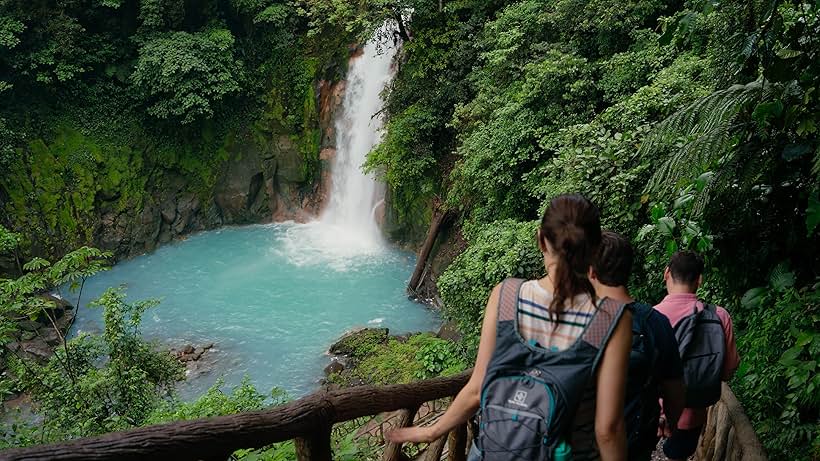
pixel 360 342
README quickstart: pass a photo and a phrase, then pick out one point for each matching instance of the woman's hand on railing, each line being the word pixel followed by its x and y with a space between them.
pixel 412 434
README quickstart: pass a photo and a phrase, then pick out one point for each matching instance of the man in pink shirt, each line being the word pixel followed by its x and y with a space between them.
pixel 683 276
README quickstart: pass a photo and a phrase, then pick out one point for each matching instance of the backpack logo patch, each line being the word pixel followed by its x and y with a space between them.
pixel 520 399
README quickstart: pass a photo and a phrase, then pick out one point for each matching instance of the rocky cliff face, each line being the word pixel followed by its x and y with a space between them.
pixel 263 180
pixel 133 200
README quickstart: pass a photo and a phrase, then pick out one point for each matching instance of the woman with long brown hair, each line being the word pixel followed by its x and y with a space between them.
pixel 550 333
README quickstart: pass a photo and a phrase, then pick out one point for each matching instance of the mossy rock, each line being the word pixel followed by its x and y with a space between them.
pixel 360 343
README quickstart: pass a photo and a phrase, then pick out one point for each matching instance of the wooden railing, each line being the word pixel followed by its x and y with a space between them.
pixel 729 435
pixel 308 420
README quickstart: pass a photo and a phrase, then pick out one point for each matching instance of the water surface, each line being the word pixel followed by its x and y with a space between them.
pixel 272 298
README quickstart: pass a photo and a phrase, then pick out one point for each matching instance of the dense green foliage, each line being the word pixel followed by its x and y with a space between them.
pixel 104 100
pixel 782 343
pixel 76 396
pixel 498 250
pixel 691 124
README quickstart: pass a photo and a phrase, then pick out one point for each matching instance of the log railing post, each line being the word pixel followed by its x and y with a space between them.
pixel 457 444
pixel 434 450
pixel 316 446
pixel 392 451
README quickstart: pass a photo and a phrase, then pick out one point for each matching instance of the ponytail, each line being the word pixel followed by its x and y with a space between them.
pixel 572 225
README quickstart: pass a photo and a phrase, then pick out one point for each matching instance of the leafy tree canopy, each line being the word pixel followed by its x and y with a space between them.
pixel 184 75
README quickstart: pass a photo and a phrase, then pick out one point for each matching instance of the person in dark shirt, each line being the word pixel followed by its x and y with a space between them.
pixel 655 368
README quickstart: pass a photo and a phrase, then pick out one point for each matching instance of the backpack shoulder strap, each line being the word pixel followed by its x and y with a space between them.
pixel 602 325
pixel 709 313
pixel 508 299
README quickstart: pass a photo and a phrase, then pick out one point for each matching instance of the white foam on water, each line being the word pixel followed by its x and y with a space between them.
pixel 318 244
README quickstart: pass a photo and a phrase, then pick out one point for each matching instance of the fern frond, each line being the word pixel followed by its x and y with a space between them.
pixel 781 278
pixel 706 127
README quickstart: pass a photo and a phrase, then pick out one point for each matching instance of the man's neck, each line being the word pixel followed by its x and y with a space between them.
pixel 619 293
pixel 676 289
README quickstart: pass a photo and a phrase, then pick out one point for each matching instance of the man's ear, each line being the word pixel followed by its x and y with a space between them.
pixel 666 274
pixel 699 281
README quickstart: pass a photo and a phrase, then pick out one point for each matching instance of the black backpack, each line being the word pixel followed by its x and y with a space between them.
pixel 642 408
pixel 702 347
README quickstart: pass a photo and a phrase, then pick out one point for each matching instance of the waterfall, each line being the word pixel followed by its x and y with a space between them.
pixel 354 195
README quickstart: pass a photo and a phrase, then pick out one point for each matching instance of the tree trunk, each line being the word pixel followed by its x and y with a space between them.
pixel 402 29
pixel 426 248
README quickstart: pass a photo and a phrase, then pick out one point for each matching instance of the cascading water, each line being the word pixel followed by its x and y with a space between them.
pixel 354 195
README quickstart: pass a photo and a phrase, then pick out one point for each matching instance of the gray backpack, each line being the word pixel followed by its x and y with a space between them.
pixel 530 394
pixel 702 348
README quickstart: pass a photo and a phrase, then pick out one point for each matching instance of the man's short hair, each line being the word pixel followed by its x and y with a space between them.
pixel 685 267
pixel 613 264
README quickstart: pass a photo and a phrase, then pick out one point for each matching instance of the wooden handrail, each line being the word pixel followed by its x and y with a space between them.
pixel 729 433
pixel 307 419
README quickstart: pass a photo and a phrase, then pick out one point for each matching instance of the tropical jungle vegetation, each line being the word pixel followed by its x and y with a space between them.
pixel 691 123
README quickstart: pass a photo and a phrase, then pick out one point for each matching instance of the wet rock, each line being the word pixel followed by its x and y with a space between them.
pixel 337 365
pixel 58 301
pixel 168 210
pixel 190 354
pixel 360 342
pixel 187 207
pixel 36 349
pixel 328 153
pixel 29 325
pixel 331 95
pixel 450 332
pixel 334 367
pixel 50 336
pixel 239 193
pixel 64 322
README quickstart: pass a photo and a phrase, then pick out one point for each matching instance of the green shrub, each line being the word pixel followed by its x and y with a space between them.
pixel 404 360
pixel 216 402
pixel 778 380
pixel 496 251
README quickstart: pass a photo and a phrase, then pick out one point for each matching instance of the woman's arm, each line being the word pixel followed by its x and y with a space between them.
pixel 610 429
pixel 468 399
